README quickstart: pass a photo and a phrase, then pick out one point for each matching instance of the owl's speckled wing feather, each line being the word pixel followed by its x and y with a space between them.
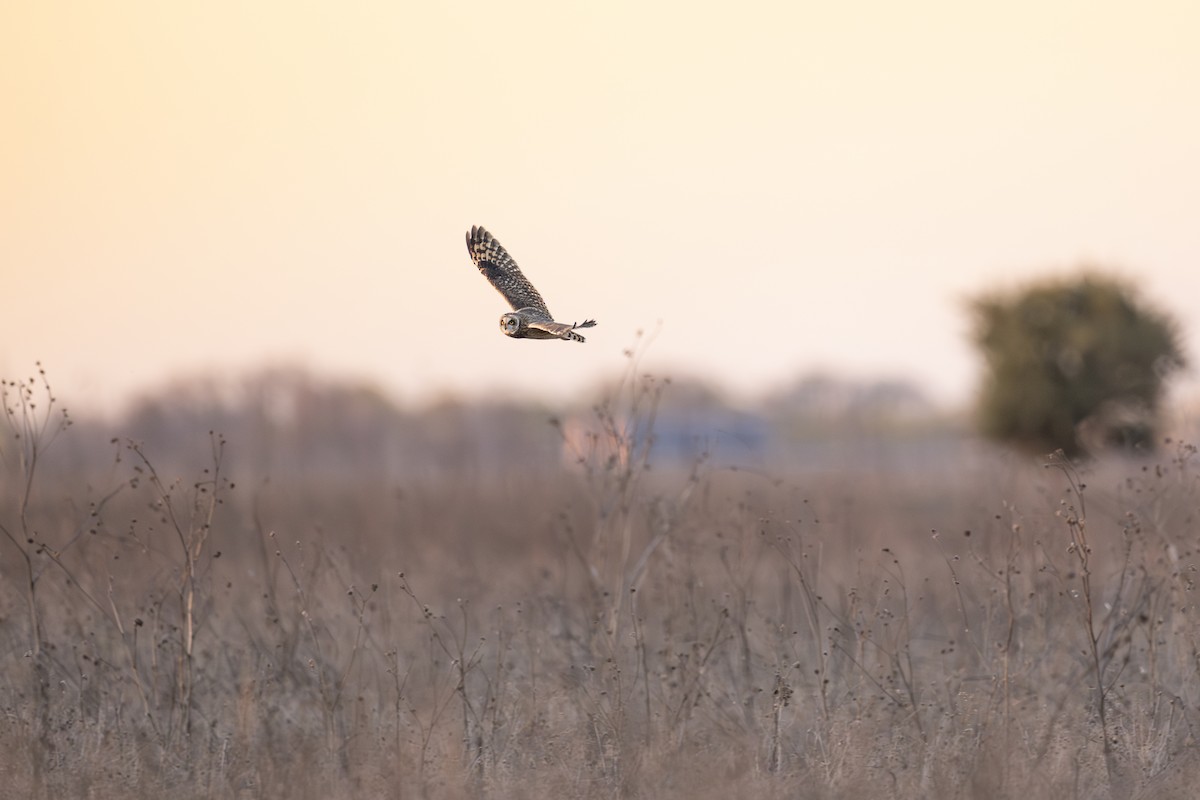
pixel 499 268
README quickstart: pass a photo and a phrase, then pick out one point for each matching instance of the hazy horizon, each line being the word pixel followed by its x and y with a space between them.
pixel 786 189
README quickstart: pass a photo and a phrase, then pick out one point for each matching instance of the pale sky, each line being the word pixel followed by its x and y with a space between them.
pixel 782 187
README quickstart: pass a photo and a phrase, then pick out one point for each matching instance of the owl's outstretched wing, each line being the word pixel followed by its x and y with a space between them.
pixel 502 272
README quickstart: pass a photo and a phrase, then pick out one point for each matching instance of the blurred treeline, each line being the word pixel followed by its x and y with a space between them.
pixel 287 423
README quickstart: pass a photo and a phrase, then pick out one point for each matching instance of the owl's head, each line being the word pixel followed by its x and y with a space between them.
pixel 510 324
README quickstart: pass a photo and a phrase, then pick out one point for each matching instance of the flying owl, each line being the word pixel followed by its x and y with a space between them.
pixel 529 319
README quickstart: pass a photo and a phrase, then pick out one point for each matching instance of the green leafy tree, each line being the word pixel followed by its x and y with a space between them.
pixel 1076 363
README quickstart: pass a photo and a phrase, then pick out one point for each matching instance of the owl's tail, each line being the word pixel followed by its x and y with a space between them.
pixel 572 335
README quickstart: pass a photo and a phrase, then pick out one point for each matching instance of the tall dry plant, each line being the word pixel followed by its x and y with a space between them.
pixel 633 521
pixel 34 422
pixel 186 511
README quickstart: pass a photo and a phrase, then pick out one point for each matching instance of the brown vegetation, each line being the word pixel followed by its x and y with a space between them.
pixel 981 628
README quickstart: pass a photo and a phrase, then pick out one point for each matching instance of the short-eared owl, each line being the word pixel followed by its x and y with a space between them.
pixel 529 319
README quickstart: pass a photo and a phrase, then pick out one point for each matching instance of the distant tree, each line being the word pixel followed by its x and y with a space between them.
pixel 1076 363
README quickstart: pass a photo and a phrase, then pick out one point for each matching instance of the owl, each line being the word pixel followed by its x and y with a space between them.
pixel 529 319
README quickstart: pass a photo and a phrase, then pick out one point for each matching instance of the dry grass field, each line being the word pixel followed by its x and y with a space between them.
pixel 599 629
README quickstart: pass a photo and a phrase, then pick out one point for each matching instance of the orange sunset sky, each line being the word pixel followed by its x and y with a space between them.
pixel 781 187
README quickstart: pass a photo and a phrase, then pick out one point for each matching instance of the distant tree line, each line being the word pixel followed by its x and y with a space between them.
pixel 286 423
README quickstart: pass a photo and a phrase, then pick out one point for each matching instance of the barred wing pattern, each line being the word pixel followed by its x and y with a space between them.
pixel 502 271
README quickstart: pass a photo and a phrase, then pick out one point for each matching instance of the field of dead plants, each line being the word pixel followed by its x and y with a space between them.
pixel 595 626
